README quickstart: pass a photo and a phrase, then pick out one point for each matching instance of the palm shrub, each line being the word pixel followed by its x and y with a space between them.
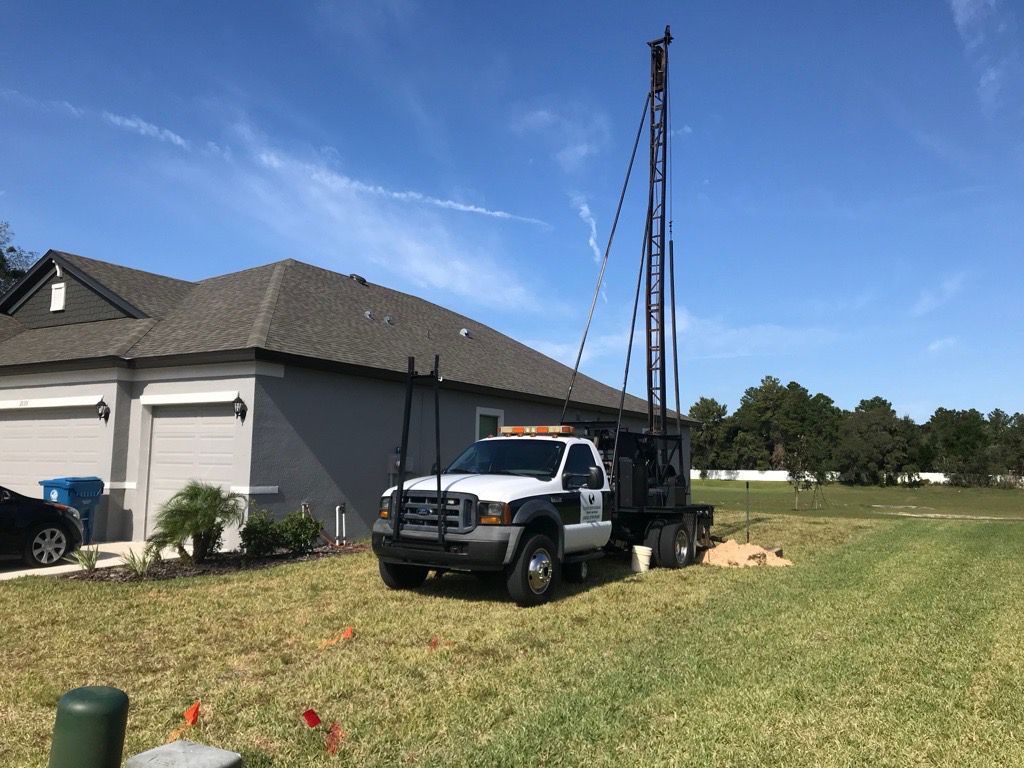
pixel 199 512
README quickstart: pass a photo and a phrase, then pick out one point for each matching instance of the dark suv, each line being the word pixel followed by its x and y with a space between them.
pixel 40 531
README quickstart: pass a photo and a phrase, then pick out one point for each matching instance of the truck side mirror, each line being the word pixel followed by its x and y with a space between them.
pixel 595 478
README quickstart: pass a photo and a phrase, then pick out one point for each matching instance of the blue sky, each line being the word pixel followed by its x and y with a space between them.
pixel 848 178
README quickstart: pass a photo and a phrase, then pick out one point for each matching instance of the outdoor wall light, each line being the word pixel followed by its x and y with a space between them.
pixel 240 408
pixel 103 410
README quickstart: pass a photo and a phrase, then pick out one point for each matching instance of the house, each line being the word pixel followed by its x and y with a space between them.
pixel 284 383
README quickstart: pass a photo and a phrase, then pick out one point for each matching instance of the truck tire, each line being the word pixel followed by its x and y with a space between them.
pixel 399 576
pixel 675 546
pixel 652 539
pixel 535 573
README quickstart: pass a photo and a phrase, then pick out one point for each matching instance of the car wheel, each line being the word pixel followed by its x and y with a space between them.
pixel 400 576
pixel 534 575
pixel 577 572
pixel 675 549
pixel 46 545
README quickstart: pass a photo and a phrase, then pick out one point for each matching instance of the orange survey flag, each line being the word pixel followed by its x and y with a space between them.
pixel 191 714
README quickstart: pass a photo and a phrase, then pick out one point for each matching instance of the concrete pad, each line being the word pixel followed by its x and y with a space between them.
pixel 111 554
pixel 185 754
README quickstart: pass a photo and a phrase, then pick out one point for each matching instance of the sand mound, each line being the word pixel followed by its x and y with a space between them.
pixel 732 554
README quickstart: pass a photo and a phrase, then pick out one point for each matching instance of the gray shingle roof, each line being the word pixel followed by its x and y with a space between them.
pixel 152 293
pixel 298 309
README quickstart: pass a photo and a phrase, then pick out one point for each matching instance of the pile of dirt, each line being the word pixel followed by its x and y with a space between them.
pixel 732 554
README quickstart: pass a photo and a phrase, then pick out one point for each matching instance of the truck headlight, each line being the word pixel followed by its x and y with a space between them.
pixel 493 513
pixel 385 508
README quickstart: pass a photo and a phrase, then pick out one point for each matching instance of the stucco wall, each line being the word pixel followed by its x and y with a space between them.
pixel 326 439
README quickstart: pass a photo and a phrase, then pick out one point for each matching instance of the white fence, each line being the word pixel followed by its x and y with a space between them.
pixel 781 476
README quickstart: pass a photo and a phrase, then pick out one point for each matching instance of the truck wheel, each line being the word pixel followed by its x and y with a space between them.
pixel 534 575
pixel 576 572
pixel 675 548
pixel 652 539
pixel 399 576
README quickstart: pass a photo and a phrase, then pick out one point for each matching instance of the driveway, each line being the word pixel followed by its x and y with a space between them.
pixel 111 553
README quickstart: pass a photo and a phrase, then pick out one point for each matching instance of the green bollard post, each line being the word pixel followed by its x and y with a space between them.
pixel 90 726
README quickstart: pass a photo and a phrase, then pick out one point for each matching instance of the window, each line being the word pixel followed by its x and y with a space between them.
pixel 57 297
pixel 580 460
pixel 513 456
pixel 488 421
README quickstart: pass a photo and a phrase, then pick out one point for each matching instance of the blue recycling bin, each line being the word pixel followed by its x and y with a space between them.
pixel 82 493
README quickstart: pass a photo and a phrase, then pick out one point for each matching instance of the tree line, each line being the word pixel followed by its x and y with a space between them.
pixel 785 427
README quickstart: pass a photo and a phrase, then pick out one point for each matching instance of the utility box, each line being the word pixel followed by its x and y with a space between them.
pixel 82 493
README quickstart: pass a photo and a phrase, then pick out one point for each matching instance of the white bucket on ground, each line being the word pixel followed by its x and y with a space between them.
pixel 641 559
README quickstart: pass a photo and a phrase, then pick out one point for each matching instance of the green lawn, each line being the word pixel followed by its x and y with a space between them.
pixel 890 642
pixel 928 500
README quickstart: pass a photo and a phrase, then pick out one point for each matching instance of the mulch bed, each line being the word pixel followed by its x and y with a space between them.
pixel 224 563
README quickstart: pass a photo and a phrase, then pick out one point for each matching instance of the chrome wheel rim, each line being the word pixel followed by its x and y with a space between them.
pixel 682 545
pixel 538 574
pixel 49 546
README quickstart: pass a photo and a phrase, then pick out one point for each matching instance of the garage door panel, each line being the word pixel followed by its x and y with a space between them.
pixel 194 442
pixel 43 443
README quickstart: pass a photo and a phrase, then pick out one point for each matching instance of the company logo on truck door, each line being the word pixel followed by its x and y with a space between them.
pixel 590 506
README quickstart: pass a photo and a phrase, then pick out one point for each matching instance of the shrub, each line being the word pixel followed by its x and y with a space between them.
pixel 139 562
pixel 299 532
pixel 199 512
pixel 86 558
pixel 261 535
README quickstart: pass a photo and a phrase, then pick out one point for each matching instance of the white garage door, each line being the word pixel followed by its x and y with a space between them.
pixel 189 442
pixel 42 443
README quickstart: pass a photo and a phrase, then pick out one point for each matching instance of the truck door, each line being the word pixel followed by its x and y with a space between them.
pixel 589 526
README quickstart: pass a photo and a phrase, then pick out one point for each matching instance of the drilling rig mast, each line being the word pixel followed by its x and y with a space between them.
pixel 655 241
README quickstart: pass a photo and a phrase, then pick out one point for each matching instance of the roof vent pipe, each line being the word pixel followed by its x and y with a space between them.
pixel 368 315
pixel 358 278
pixel 389 320
pixel 464 333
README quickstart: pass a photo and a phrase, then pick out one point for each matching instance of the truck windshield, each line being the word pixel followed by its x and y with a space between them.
pixel 511 456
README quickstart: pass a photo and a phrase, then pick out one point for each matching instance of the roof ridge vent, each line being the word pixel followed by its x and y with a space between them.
pixel 358 278
pixel 464 333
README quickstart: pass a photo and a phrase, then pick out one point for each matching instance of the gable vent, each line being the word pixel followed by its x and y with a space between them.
pixel 57 291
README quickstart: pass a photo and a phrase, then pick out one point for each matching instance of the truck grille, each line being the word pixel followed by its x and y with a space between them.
pixel 420 513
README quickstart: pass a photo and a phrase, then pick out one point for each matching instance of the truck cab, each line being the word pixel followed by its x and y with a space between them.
pixel 533 503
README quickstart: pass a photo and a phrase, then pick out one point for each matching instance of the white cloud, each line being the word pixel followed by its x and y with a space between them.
pixel 349 225
pixel 931 299
pixel 941 345
pixel 340 181
pixel 991 39
pixel 597 347
pixel 699 338
pixel 584 211
pixel 715 338
pixel 141 127
pixel 574 133
pixel 48 105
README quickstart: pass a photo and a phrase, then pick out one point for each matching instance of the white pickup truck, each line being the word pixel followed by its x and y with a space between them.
pixel 533 503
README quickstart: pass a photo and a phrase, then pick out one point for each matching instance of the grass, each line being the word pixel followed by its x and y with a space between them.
pixel 892 642
pixel 933 500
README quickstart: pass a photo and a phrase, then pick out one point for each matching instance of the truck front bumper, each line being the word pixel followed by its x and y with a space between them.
pixel 486 548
